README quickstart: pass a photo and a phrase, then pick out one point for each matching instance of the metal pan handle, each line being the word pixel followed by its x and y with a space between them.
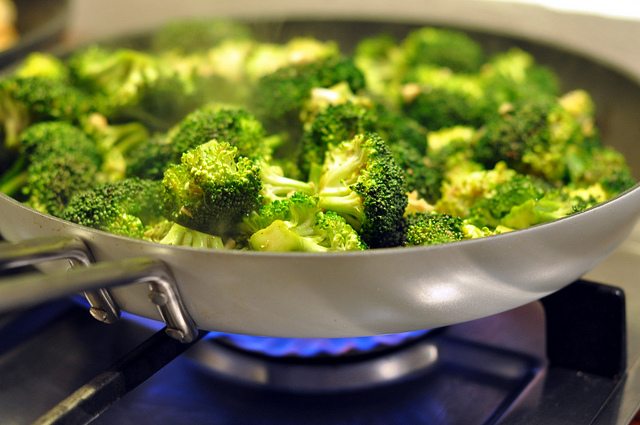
pixel 32 288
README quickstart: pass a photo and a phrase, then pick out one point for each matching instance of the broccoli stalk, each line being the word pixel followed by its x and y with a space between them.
pixel 361 181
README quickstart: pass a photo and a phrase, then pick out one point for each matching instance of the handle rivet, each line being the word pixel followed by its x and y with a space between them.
pixel 158 298
pixel 99 314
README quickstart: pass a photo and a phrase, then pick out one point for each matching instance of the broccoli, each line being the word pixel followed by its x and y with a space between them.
pixel 42 65
pixel 188 36
pixel 26 100
pixel 332 125
pixel 420 175
pixel 275 185
pixel 361 181
pixel 115 142
pixel 170 233
pixel 380 59
pixel 224 123
pixel 438 98
pixel 56 159
pixel 441 47
pixel 298 224
pixel 212 189
pixel 432 228
pixel 533 137
pixel 281 95
pixel 127 207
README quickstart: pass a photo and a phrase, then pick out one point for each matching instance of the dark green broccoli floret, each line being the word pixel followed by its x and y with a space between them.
pixel 298 224
pixel 212 189
pixel 432 229
pixel 444 48
pixel 56 159
pixel 126 207
pixel 197 35
pixel 281 95
pixel 420 174
pixel 224 123
pixel 361 181
pixel 533 137
pixel 24 101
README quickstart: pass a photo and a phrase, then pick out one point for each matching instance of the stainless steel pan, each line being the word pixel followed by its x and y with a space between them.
pixel 346 294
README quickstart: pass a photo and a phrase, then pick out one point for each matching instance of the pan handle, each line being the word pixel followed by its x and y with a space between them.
pixel 33 288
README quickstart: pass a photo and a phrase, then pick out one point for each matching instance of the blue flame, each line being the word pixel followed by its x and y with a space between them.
pixel 307 347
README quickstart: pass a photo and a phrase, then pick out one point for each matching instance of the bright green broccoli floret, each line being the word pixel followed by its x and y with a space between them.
pixel 380 60
pixel 275 185
pixel 42 65
pixel 298 224
pixel 224 123
pixel 169 233
pixel 361 181
pixel 126 207
pixel 432 229
pixel 212 189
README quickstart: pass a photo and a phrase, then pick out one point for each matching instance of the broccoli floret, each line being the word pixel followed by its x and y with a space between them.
pixel 224 123
pixel 169 233
pixel 275 185
pixel 297 224
pixel 266 58
pixel 42 65
pixel 115 142
pixel 532 137
pixel 212 189
pixel 438 98
pixel 361 181
pixel 281 95
pixel 126 207
pixel 332 125
pixel 443 48
pixel 432 229
pixel 24 101
pixel 490 210
pixel 514 75
pixel 197 35
pixel 121 76
pixel 420 175
pixel 56 159
pixel 380 60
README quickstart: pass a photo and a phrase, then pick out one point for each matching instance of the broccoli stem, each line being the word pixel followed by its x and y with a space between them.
pixel 11 186
pixel 279 237
pixel 349 205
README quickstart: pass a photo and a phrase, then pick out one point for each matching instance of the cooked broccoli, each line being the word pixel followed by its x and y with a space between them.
pixel 445 48
pixel 224 123
pixel 298 224
pixel 170 233
pixel 56 160
pixel 533 137
pixel 188 36
pixel 114 142
pixel 380 59
pixel 42 65
pixel 361 181
pixel 281 95
pixel 212 189
pixel 275 185
pixel 126 207
pixel 432 229
pixel 27 100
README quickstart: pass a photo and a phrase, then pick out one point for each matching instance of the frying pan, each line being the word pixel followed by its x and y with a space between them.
pixel 336 294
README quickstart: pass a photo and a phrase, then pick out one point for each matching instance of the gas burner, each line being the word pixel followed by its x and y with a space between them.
pixel 315 347
pixel 305 366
